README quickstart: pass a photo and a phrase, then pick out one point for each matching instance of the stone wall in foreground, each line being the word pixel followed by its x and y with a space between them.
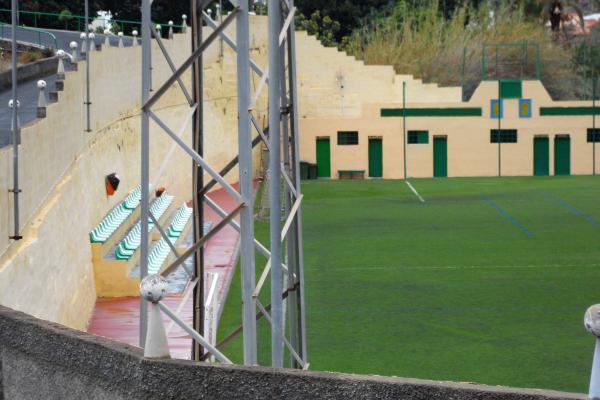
pixel 43 360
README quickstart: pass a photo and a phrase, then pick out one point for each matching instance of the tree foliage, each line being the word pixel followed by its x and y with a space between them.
pixel 348 13
pixel 323 27
pixel 162 11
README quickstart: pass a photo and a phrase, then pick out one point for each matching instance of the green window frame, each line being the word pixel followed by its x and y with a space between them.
pixel 511 89
pixel 347 138
pixel 505 136
pixel 593 135
pixel 418 137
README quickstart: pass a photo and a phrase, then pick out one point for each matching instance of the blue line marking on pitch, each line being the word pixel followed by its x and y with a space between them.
pixel 508 216
pixel 569 207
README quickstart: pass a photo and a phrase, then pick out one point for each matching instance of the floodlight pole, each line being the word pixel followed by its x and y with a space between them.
pixel 300 336
pixel 246 185
pixel 404 126
pixel 15 124
pixel 274 17
pixel 290 260
pixel 198 177
pixel 87 66
pixel 145 156
pixel 296 287
pixel 594 82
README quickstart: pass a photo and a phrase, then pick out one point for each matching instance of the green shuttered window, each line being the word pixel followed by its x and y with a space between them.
pixel 418 137
pixel 593 135
pixel 511 89
pixel 505 136
pixel 346 138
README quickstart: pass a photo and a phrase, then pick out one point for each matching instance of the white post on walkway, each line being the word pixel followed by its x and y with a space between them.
pixel 12 123
pixel 74 57
pixel 41 106
pixel 170 30
pixel 60 71
pixel 592 324
pixel 183 23
pixel 92 42
pixel 106 37
pixel 158 31
pixel 121 45
pixel 135 39
pixel 83 43
pixel 153 288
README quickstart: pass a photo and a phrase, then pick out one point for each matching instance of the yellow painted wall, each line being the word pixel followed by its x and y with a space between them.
pixel 49 273
pixel 470 152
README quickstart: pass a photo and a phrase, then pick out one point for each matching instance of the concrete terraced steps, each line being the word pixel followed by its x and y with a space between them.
pixel 339 84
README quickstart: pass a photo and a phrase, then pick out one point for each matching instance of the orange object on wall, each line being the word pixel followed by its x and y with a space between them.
pixel 112 183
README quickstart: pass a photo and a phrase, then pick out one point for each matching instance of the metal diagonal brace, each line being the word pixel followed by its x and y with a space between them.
pixel 202 241
pixel 285 340
pixel 230 42
pixel 258 245
pixel 191 59
pixel 282 36
pixel 288 181
pixel 260 132
pixel 169 154
pixel 171 65
pixel 192 153
pixel 168 240
pixel 195 335
pixel 230 165
pixel 238 330
pixel 186 296
pixel 286 25
pixel 286 227
pixel 291 217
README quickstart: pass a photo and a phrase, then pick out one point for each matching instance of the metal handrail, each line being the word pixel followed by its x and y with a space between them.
pixel 81 18
pixel 38 31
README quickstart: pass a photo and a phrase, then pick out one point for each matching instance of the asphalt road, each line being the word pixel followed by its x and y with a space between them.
pixel 27 91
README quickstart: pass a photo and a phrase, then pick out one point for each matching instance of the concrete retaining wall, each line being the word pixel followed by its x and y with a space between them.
pixel 63 169
pixel 34 70
pixel 42 360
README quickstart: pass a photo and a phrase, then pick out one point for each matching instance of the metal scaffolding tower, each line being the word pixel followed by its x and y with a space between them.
pixel 285 252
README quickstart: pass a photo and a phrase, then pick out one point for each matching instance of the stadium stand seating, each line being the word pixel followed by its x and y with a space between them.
pixel 127 247
pixel 161 250
pixel 116 217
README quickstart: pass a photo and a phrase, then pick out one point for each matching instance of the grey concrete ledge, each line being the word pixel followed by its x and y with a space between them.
pixel 43 360
pixel 34 70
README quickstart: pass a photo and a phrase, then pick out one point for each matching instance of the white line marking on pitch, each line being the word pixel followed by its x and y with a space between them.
pixel 459 267
pixel 421 199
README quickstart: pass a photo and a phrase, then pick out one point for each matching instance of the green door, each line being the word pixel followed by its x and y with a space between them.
pixel 562 155
pixel 440 157
pixel 375 158
pixel 541 156
pixel 323 158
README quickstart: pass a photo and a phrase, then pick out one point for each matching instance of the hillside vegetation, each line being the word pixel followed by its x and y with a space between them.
pixel 419 40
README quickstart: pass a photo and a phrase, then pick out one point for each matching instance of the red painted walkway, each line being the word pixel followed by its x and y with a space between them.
pixel 118 318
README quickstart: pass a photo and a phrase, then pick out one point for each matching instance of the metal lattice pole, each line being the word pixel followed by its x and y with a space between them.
pixel 274 16
pixel 295 173
pixel 198 177
pixel 246 186
pixel 15 121
pixel 282 114
pixel 145 156
pixel 87 66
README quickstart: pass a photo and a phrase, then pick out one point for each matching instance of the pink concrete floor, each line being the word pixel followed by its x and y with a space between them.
pixel 118 318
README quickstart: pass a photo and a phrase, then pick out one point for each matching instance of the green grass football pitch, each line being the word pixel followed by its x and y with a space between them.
pixel 486 281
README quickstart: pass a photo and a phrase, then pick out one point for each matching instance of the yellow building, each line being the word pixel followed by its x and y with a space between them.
pixel 507 128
